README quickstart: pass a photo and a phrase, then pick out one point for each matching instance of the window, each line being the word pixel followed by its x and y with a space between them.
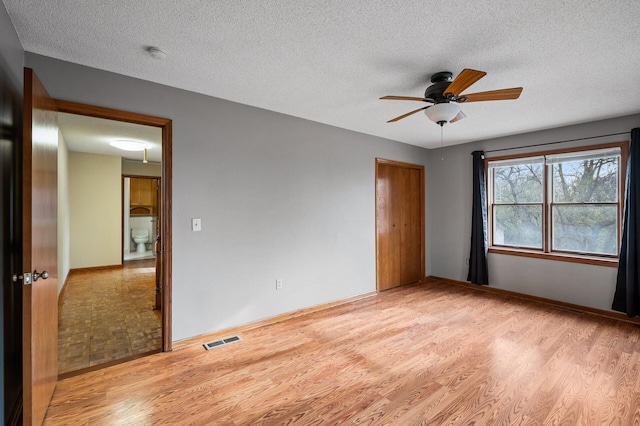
pixel 558 202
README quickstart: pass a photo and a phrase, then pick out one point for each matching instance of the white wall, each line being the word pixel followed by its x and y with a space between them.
pixel 279 198
pixel 449 219
pixel 64 222
pixel 95 210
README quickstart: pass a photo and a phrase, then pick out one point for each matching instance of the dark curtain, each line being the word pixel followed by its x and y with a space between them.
pixel 478 269
pixel 627 296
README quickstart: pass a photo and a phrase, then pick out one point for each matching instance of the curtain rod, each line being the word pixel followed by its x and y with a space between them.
pixel 553 143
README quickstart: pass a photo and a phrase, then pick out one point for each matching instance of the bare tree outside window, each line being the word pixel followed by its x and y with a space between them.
pixel 584 211
pixel 581 204
pixel 518 196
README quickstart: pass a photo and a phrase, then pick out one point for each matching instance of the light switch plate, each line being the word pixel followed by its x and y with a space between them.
pixel 196 224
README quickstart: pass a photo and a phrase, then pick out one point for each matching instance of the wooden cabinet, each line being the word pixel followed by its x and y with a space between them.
pixel 399 224
pixel 143 196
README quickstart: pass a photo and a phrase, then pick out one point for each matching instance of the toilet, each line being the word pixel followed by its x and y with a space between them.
pixel 140 236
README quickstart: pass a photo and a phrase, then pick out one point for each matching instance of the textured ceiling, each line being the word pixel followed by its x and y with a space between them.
pixel 330 61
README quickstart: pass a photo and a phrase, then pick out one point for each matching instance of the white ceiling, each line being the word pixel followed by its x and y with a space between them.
pixel 330 60
pixel 93 135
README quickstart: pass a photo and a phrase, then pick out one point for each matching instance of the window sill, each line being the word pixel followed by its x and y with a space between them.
pixel 611 262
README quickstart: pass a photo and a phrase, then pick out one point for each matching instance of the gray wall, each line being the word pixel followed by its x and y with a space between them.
pixel 449 217
pixel 11 52
pixel 279 197
pixel 282 197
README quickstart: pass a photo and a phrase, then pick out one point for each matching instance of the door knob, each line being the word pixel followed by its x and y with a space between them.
pixel 44 275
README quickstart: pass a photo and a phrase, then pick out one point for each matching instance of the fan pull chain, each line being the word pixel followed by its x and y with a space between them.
pixel 442 140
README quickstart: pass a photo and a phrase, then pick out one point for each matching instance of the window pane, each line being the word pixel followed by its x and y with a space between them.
pixel 585 228
pixel 519 226
pixel 586 181
pixel 518 184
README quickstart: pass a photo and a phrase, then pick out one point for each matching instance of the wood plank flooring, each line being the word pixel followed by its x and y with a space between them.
pixel 106 315
pixel 429 354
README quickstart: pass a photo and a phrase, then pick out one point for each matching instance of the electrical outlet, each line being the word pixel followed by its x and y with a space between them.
pixel 278 284
pixel 467 261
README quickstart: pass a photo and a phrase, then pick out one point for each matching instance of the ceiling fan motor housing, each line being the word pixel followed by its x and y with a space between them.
pixel 436 91
pixel 442 76
pixel 441 80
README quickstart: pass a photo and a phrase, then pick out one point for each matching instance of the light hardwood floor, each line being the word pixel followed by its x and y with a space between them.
pixel 429 354
pixel 106 316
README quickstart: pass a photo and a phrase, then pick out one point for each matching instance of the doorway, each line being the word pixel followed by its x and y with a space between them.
pixel 400 244
pixel 155 269
pixel 141 202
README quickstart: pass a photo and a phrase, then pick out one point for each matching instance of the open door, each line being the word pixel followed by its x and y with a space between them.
pixel 40 257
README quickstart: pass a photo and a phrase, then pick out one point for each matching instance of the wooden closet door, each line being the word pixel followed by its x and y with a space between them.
pixel 410 240
pixel 388 228
pixel 399 224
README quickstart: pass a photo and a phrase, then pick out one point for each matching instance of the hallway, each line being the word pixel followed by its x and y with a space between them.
pixel 107 315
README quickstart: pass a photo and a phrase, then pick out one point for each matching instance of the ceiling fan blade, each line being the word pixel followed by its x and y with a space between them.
pixel 465 79
pixel 495 95
pixel 460 116
pixel 406 98
pixel 407 114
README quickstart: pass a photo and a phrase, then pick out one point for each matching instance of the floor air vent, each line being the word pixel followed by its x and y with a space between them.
pixel 573 311
pixel 221 342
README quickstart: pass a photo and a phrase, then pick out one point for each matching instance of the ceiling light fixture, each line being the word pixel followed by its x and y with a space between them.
pixel 128 145
pixel 442 113
pixel 156 53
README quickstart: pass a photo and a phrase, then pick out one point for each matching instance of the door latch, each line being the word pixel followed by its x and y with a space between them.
pixel 26 278
pixel 157 246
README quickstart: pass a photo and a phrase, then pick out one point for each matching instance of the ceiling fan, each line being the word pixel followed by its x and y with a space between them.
pixel 445 93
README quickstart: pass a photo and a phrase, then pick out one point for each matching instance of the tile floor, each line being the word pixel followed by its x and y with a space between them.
pixel 135 255
pixel 107 315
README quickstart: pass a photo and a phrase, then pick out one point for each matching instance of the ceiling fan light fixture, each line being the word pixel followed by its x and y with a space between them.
pixel 442 113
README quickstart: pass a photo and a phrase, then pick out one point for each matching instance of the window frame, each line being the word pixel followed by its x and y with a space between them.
pixel 547 204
